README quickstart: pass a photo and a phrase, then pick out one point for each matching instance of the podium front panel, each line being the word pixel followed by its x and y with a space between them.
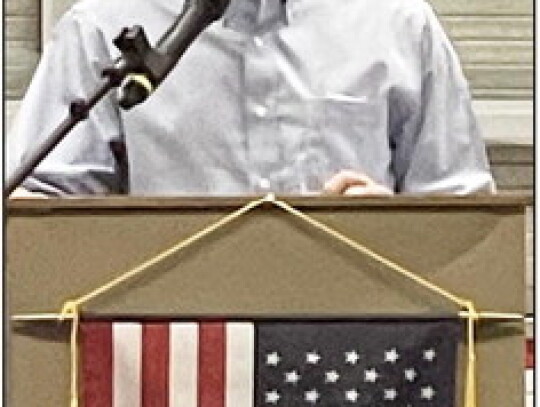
pixel 266 264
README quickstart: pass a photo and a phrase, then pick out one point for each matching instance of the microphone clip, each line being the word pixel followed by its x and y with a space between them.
pixel 138 67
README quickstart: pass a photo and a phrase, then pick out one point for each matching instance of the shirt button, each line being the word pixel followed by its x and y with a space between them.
pixel 264 184
pixel 260 111
pixel 258 41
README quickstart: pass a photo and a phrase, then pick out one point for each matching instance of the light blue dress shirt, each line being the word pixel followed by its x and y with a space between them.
pixel 276 96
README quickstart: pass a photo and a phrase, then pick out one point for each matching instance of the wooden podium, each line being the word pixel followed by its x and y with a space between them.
pixel 267 263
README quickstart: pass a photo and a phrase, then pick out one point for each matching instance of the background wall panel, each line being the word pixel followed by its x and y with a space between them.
pixel 22 44
pixel 494 39
pixel 483 7
pixel 491 27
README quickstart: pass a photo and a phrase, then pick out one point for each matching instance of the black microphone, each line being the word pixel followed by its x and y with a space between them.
pixel 157 62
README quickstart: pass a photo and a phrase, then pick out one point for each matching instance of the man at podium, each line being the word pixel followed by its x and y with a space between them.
pixel 298 97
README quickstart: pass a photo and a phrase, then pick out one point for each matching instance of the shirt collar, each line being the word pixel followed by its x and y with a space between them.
pixel 255 16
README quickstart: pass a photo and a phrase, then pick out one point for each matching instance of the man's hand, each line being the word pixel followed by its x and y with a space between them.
pixel 21 193
pixel 349 182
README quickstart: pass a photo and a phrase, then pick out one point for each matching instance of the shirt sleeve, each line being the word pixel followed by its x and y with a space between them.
pixel 91 159
pixel 439 149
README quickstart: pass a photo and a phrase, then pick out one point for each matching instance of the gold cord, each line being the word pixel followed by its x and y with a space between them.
pixel 70 310
pixel 163 255
pixel 368 252
pixel 470 388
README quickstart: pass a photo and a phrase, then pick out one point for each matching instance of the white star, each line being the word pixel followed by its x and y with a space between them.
pixel 370 376
pixel 331 377
pixel 410 374
pixel 427 393
pixel 312 396
pixel 312 358
pixel 391 356
pixel 352 395
pixel 429 355
pixel 390 394
pixel 272 397
pixel 273 359
pixel 292 377
pixel 351 357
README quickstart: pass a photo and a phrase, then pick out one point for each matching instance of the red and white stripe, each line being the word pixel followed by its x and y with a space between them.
pixel 167 364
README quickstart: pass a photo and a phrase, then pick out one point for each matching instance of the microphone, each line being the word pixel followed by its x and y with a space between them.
pixel 156 63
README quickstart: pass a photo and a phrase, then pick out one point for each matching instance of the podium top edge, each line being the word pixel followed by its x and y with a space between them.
pixel 308 202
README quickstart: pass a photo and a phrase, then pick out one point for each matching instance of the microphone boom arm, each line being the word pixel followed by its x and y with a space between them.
pixel 141 68
pixel 150 66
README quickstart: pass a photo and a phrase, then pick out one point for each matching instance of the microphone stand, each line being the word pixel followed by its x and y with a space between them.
pixel 137 57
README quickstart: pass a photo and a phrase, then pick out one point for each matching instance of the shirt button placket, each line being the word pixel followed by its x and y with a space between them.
pixel 263 146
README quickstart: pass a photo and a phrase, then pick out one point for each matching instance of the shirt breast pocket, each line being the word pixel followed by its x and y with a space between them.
pixel 351 124
pixel 342 113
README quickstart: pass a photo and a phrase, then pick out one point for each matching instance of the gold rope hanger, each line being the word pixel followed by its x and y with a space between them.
pixel 270 198
pixel 72 308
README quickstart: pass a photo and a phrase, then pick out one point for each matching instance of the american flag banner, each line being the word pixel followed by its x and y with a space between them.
pixel 376 362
